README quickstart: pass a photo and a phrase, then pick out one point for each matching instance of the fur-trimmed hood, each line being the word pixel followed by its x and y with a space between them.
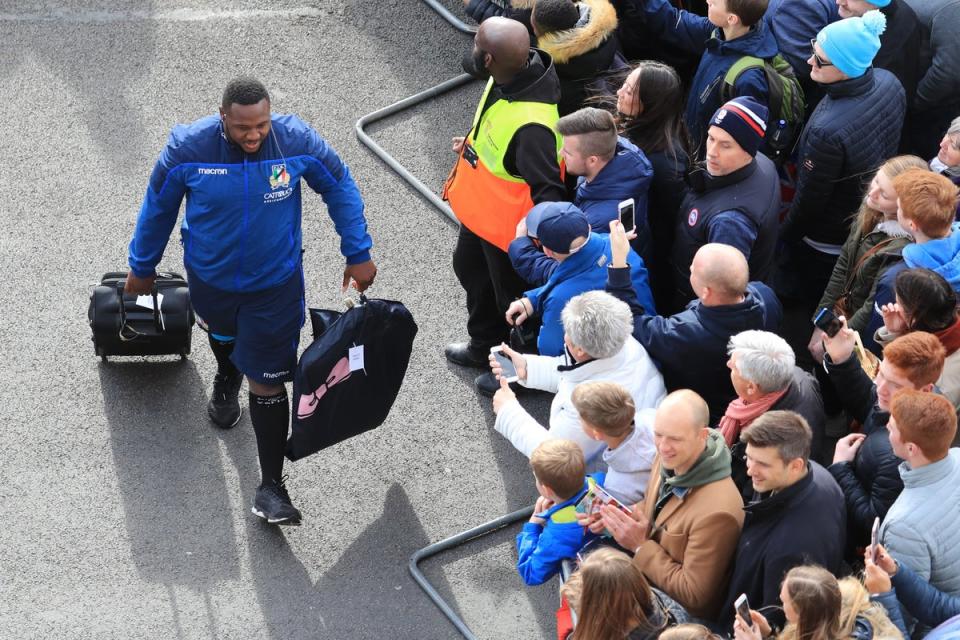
pixel 598 21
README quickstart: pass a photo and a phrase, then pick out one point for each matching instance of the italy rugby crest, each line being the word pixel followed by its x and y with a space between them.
pixel 279 178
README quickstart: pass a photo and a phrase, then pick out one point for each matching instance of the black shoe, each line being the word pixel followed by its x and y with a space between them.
pixel 272 503
pixel 465 355
pixel 487 385
pixel 224 406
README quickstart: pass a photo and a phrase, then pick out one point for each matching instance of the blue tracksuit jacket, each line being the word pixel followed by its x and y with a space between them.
pixel 241 228
pixel 541 548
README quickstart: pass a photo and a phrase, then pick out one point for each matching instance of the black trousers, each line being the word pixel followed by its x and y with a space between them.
pixel 485 273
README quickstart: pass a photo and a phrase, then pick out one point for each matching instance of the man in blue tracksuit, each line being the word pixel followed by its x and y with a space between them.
pixel 240 172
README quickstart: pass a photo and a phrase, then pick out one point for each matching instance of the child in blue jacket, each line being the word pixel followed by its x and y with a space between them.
pixel 553 533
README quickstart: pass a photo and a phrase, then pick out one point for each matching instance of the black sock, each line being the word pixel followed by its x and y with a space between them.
pixel 221 351
pixel 270 416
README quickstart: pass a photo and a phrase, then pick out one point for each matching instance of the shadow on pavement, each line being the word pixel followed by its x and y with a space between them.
pixel 169 476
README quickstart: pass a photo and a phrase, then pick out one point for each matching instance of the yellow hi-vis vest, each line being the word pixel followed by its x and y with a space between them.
pixel 485 197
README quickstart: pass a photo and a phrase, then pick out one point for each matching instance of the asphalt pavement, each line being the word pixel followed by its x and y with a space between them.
pixel 126 513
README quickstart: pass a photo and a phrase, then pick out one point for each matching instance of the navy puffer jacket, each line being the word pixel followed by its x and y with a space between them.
pixel 851 132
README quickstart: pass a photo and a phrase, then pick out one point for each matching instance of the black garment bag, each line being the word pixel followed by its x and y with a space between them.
pixel 348 378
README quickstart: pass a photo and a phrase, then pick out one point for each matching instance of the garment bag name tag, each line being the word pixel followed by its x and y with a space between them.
pixel 356 358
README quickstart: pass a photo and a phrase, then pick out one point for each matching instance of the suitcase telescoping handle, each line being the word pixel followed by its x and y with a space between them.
pixel 128 333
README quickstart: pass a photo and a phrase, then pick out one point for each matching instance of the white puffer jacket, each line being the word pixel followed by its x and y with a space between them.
pixel 630 367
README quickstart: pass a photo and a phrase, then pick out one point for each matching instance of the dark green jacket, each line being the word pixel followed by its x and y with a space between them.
pixel 863 283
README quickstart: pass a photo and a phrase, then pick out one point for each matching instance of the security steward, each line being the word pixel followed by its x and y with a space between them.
pixel 734 197
pixel 509 161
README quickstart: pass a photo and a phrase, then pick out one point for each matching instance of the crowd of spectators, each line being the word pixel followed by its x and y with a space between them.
pixel 714 465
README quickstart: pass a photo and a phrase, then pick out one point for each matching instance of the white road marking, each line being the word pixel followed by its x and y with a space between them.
pixel 93 16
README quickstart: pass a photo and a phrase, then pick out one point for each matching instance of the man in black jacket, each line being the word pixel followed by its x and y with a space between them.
pixel 853 129
pixel 508 162
pixel 797 515
pixel 864 464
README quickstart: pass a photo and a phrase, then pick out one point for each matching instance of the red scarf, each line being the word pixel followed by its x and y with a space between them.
pixel 950 337
pixel 739 414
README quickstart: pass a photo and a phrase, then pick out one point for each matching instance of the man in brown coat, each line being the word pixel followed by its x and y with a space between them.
pixel 685 532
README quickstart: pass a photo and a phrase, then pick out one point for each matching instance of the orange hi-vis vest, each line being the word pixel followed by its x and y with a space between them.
pixel 486 198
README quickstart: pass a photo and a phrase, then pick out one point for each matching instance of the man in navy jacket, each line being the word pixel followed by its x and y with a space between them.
pixel 240 172
pixel 851 132
pixel 690 347
pixel 734 198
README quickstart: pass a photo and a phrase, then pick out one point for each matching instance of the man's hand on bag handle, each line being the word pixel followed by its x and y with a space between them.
pixel 361 275
pixel 139 286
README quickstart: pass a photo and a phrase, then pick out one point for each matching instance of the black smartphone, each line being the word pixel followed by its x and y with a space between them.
pixel 828 322
pixel 627 217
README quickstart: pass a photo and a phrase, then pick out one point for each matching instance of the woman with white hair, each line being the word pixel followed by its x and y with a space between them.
pixel 599 346
pixel 765 376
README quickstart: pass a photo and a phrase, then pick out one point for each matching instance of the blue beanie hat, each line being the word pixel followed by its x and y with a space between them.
pixel 852 43
pixel 745 120
pixel 557 225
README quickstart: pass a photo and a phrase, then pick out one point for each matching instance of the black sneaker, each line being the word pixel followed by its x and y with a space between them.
pixel 224 406
pixel 272 503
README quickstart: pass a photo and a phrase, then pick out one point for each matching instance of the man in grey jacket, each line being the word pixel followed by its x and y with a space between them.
pixel 922 528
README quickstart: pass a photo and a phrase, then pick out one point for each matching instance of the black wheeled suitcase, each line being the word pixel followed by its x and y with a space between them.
pixel 161 324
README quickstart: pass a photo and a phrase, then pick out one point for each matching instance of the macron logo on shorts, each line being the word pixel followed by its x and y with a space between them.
pixel 207 171
pixel 278 374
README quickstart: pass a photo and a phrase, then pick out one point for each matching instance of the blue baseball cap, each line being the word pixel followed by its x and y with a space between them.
pixel 557 224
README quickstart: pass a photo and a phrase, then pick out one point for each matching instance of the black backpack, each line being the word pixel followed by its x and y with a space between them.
pixel 786 102
pixel 349 376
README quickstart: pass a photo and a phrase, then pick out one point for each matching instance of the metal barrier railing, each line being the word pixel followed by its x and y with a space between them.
pixel 392 162
pixel 449 543
pixel 457 23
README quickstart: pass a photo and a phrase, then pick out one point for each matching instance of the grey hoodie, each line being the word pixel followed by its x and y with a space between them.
pixel 628 466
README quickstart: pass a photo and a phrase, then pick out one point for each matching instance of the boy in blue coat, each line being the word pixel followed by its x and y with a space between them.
pixel 731 30
pixel 553 533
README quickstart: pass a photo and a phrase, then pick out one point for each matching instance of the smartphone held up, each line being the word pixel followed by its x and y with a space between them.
pixel 627 217
pixel 828 322
pixel 507 369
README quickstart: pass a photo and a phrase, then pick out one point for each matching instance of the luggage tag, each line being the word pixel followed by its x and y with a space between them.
pixel 355 355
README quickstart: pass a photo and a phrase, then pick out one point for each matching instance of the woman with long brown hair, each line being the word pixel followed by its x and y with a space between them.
pixel 818 607
pixel 613 600
pixel 649 112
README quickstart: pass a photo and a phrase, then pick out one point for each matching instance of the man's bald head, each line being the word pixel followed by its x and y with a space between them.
pixel 680 430
pixel 685 407
pixel 722 269
pixel 508 43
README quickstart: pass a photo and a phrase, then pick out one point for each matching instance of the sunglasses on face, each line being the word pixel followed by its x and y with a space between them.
pixel 819 61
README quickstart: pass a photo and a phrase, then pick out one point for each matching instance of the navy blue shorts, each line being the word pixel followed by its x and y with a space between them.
pixel 264 324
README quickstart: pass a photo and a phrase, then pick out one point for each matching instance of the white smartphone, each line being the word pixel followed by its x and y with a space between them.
pixel 627 218
pixel 743 609
pixel 508 371
pixel 874 534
